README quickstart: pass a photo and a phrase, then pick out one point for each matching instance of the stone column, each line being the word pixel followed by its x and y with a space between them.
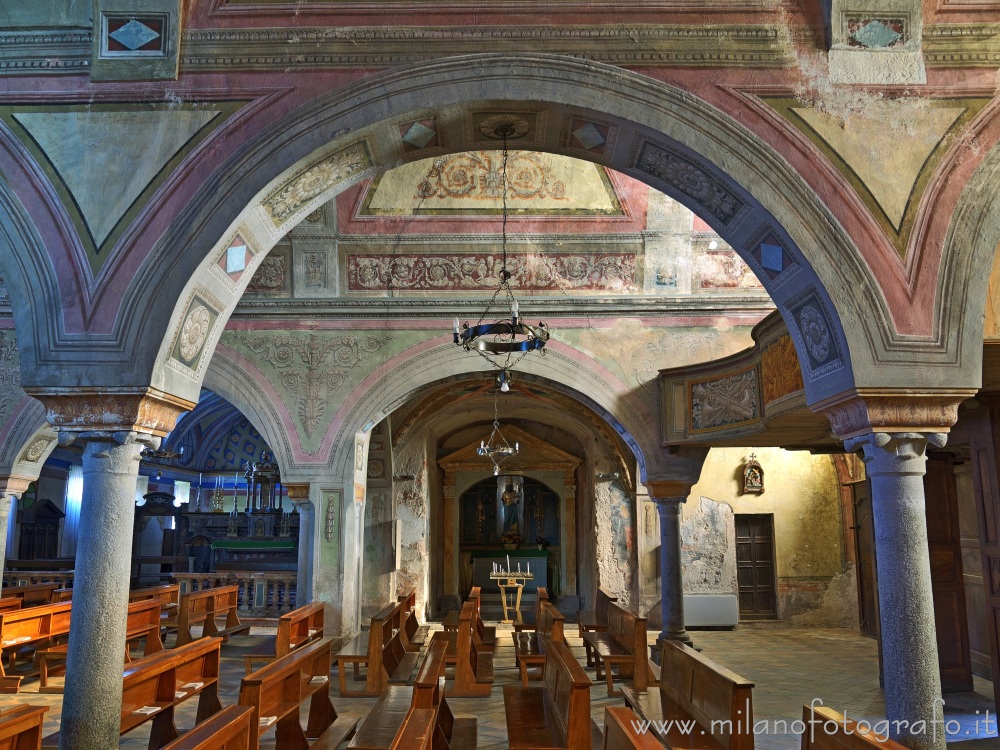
pixel 668 497
pixel 11 489
pixel 299 494
pixel 895 464
pixel 113 424
pixel 91 711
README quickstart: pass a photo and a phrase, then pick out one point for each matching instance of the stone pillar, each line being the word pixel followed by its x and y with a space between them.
pixel 299 494
pixel 11 489
pixel 895 464
pixel 91 711
pixel 113 424
pixel 451 597
pixel 668 497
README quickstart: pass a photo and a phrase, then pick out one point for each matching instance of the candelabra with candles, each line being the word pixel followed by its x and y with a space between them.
pixel 511 583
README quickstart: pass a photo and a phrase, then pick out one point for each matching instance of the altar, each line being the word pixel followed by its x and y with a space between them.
pixel 483 562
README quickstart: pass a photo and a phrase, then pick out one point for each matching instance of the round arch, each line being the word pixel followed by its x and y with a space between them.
pixel 667 138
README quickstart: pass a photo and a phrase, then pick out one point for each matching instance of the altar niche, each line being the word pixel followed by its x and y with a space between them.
pixel 499 508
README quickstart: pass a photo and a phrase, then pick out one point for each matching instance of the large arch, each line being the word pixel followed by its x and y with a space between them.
pixel 664 137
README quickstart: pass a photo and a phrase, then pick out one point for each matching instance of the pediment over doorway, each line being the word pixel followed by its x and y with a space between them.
pixel 534 455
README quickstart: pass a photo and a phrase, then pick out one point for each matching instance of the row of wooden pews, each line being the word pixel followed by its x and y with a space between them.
pixel 385 651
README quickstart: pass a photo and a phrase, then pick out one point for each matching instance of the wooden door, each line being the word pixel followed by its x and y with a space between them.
pixel 944 546
pixel 864 543
pixel 755 566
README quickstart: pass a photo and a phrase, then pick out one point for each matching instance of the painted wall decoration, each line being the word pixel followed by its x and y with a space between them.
pixel 331 526
pixel 272 276
pixel 724 269
pixel 195 328
pixel 329 172
pixel 466 272
pixel 467 183
pixel 779 370
pixel 10 375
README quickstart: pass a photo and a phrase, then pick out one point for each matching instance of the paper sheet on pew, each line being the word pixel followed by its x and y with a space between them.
pixel 266 721
pixel 12 641
pixel 193 685
pixel 178 694
pixel 318 679
pixel 147 710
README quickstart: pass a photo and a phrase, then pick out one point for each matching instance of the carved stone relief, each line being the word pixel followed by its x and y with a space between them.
pixel 724 402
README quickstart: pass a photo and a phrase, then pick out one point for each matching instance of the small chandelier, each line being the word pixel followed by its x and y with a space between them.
pixel 496 446
pixel 505 342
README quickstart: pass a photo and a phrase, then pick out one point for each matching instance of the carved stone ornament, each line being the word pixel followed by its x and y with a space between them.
pixel 753 476
pixel 864 411
pixel 112 410
pixel 315 180
pixel 35 450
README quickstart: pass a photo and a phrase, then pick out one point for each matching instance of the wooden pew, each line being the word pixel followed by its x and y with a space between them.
pixel 693 687
pixel 227 730
pixel 485 635
pixel 385 724
pixel 32 594
pixel 526 621
pixel 620 734
pixel 296 628
pixel 622 645
pixel 530 646
pixel 21 727
pixel 62 595
pixel 154 686
pixel 830 730
pixel 142 622
pixel 473 665
pixel 412 637
pixel 417 731
pixel 30 627
pixel 397 662
pixel 204 607
pixel 366 648
pixel 275 693
pixel 555 715
pixel 595 621
pixel 9 604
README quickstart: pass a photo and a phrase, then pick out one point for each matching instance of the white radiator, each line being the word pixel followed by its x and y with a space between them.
pixel 711 610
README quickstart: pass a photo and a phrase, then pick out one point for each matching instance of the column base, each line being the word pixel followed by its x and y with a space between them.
pixel 681 636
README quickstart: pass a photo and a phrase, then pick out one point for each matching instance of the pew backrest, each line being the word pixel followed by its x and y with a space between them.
pixel 143 619
pixel 708 692
pixel 602 605
pixel 627 628
pixel 550 623
pixel 34 623
pixel 428 687
pixel 21 727
pixel 229 729
pixel 620 731
pixel 299 627
pixel 168 594
pixel 203 607
pixel 32 594
pixel 10 604
pixel 831 730
pixel 567 688
pixel 417 730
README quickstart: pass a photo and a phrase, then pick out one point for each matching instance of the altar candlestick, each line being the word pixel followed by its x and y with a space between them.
pixel 529 567
pixel 508 563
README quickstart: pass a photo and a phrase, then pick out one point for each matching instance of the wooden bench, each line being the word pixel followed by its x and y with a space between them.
pixel 153 687
pixel 397 662
pixel 21 727
pixel 296 628
pixel 169 596
pixel 829 730
pixel 526 621
pixel 555 715
pixel 10 604
pixel 275 693
pixel 227 730
pixel 622 645
pixel 366 648
pixel 142 622
pixel 485 635
pixel 620 732
pixel 28 628
pixel 62 595
pixel 413 637
pixel 204 607
pixel 473 665
pixel 595 621
pixel 530 646
pixel 693 687
pixel 385 724
pixel 31 594
pixel 417 731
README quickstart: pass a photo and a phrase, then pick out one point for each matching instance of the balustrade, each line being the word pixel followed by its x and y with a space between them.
pixel 261 594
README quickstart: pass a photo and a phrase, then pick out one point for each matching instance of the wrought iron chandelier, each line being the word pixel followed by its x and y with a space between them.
pixel 503 343
pixel 496 446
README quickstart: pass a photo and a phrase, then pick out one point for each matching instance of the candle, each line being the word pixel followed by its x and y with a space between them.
pixel 529 566
pixel 456 325
pixel 508 563
pixel 513 308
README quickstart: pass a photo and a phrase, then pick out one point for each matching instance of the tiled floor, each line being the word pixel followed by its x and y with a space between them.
pixel 789 668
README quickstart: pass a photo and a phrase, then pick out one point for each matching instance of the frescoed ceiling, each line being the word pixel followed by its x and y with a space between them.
pixel 216 437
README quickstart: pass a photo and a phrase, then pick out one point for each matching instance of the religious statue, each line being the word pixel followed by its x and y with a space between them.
pixel 510 499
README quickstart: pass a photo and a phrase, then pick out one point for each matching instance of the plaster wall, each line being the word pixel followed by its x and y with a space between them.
pixel 815 585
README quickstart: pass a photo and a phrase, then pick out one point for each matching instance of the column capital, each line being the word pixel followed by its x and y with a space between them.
pixel 110 411
pixel 891 410
pixel 660 491
pixel 15 485
pixel 297 491
pixel 895 453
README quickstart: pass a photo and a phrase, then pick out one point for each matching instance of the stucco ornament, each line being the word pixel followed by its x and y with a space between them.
pixel 315 180
pixel 194 332
pixel 690 179
pixel 815 333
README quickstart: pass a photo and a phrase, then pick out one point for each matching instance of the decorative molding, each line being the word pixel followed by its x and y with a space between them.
pixel 297 491
pixel 35 450
pixel 462 272
pixel 665 491
pixel 865 410
pixel 730 45
pixel 10 372
pixel 283 203
pixel 46 52
pixel 143 410
pixel 724 402
pixel 972 45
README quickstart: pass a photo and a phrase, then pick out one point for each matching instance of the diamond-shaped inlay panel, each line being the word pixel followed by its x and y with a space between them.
pixel 589 136
pixel 134 35
pixel 772 257
pixel 235 258
pixel 419 134
pixel 875 33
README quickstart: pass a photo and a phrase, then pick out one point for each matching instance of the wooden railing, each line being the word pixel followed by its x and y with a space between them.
pixel 260 594
pixel 64 578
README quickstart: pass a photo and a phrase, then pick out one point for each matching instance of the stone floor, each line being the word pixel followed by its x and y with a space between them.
pixel 789 667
